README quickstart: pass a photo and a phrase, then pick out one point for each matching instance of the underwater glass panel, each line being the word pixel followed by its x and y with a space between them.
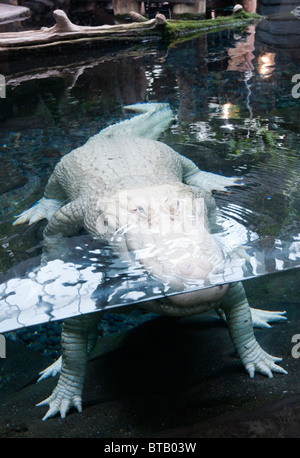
pixel 236 108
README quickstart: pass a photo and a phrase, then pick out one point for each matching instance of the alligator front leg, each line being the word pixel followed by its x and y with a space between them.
pixel 68 392
pixel 44 208
pixel 64 223
pixel 208 181
pixel 55 367
pixel 238 317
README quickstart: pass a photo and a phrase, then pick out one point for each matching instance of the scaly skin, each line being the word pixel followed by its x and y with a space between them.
pixel 75 348
pixel 74 340
pixel 239 321
pixel 118 165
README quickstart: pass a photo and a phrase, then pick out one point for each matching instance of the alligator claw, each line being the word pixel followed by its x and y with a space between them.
pixel 261 318
pixel 51 371
pixel 255 358
pixel 44 208
pixel 61 402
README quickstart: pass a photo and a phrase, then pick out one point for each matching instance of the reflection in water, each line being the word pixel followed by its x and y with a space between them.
pixel 230 111
pixel 92 279
pixel 235 116
pixel 241 55
pixel 250 5
pixel 266 64
pixel 226 108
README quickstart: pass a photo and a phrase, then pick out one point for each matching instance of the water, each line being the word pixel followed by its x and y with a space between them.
pixel 232 94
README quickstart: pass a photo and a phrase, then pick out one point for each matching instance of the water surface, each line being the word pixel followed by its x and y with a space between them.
pixel 232 94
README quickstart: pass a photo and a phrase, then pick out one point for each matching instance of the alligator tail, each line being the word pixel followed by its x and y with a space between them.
pixel 153 120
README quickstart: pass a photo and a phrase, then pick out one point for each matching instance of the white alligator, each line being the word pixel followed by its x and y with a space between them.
pixel 134 192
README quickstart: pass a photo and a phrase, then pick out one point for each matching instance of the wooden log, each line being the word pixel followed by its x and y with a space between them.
pixel 65 32
pixel 136 17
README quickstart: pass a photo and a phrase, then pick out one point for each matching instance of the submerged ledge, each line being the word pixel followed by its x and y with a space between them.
pixel 64 31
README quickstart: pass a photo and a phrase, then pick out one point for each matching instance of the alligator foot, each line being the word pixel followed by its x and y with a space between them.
pixel 78 333
pixel 260 318
pixel 239 321
pixel 254 358
pixel 69 388
pixel 208 181
pixel 220 183
pixel 44 208
pixel 62 399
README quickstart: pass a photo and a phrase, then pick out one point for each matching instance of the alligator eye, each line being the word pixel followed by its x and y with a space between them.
pixel 140 210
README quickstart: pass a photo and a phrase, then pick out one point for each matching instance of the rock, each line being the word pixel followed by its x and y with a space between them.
pixel 10 13
pixel 16 178
pixel 136 17
pixel 161 19
pixel 237 9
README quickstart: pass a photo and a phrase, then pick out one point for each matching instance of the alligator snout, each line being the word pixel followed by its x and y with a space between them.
pixel 194 268
pixel 165 228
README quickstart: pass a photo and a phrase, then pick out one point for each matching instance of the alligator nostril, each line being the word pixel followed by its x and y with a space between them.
pixel 194 268
pixel 185 269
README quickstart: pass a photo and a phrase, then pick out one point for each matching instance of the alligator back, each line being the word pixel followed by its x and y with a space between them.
pixel 117 162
